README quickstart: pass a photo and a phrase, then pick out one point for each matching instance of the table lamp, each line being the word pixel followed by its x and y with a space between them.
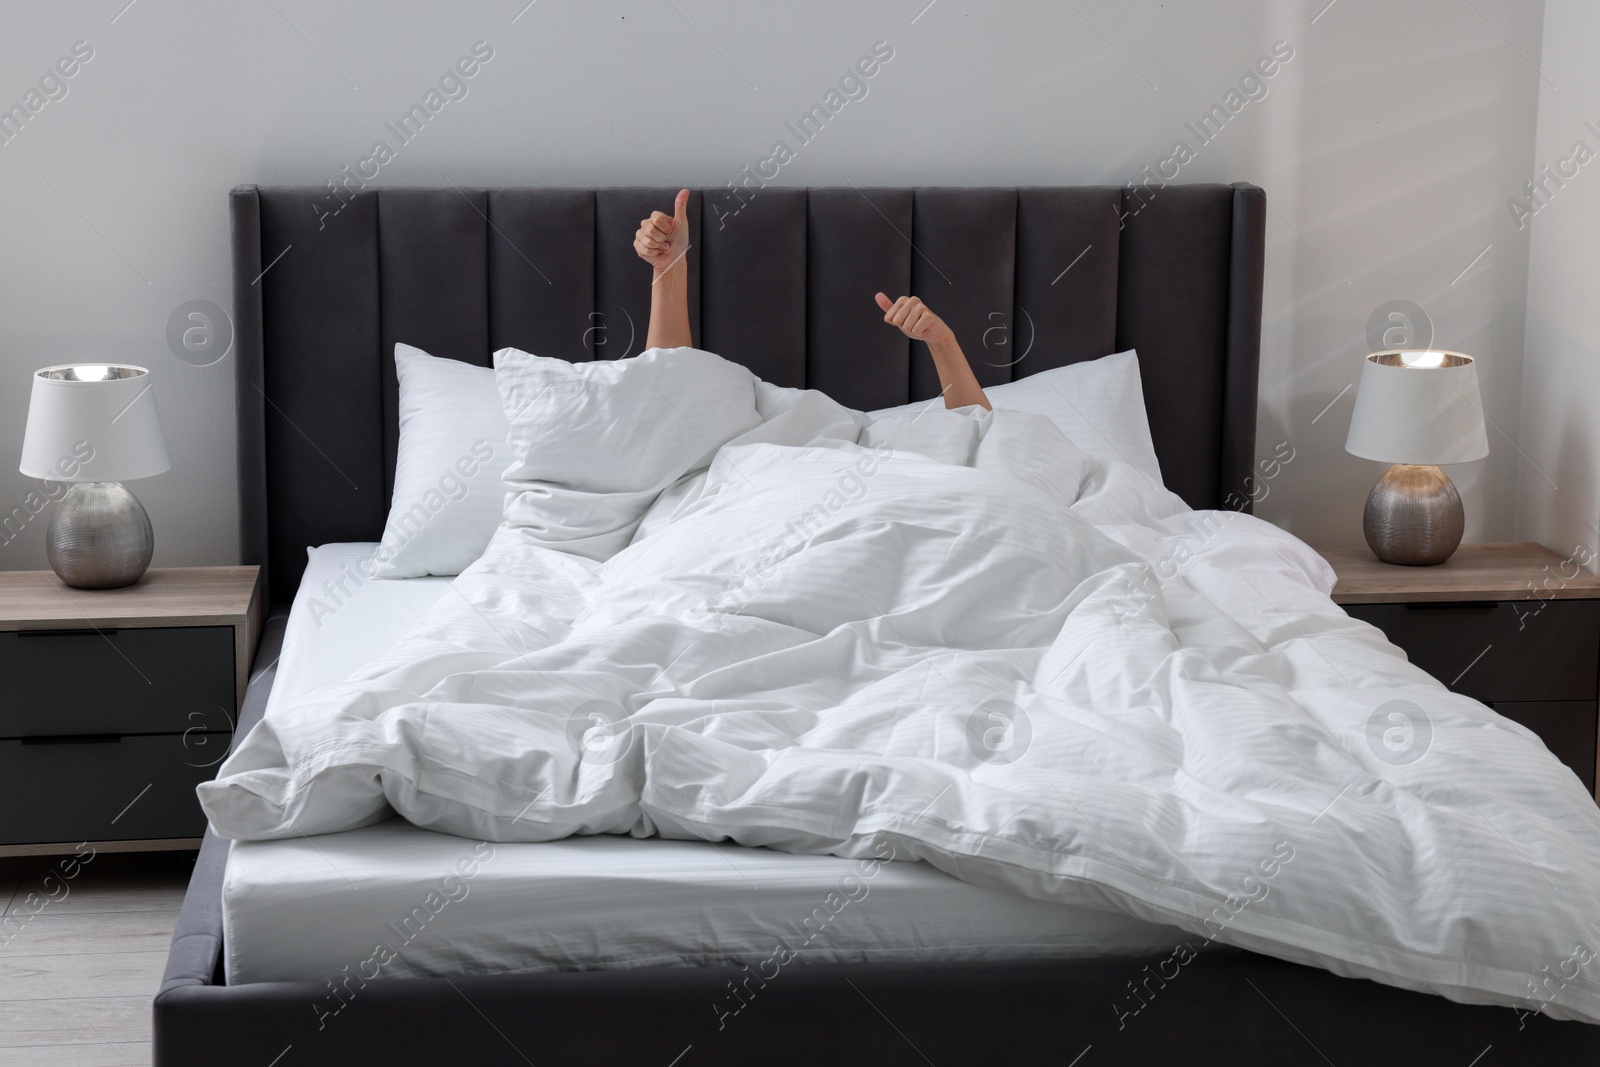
pixel 95 425
pixel 1416 410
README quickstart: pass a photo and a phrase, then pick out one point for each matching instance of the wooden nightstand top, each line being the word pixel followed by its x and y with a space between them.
pixel 1524 571
pixel 165 596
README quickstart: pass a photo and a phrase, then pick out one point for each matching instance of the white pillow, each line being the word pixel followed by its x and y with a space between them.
pixel 594 444
pixel 448 495
pixel 1098 405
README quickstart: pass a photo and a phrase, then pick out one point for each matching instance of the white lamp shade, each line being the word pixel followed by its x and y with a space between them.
pixel 93 422
pixel 1420 408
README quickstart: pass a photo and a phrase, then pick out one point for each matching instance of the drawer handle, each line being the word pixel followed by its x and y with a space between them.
pixel 1454 605
pixel 66 633
pixel 73 739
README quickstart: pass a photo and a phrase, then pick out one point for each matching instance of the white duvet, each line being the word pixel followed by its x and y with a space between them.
pixel 1032 670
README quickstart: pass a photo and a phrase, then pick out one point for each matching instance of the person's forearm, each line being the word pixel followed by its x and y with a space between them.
pixel 960 386
pixel 669 309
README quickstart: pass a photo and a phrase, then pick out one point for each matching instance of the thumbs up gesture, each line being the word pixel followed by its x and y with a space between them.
pixel 663 239
pixel 914 319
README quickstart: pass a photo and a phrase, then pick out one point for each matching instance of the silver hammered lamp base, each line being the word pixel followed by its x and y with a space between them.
pixel 1414 516
pixel 100 537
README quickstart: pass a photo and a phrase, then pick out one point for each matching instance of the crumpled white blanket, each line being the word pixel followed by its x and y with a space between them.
pixel 1022 666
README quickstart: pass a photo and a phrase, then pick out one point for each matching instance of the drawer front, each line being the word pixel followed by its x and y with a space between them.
pixel 161 680
pixel 1567 727
pixel 1523 651
pixel 105 789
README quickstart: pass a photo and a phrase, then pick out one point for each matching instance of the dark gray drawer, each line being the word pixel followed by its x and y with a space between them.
pixel 1523 651
pixel 1567 728
pixel 161 680
pixel 104 789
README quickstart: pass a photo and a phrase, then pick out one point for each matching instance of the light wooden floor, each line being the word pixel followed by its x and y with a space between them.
pixel 77 979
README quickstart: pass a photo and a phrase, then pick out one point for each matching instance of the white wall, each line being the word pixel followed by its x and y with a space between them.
pixel 1388 145
pixel 1560 497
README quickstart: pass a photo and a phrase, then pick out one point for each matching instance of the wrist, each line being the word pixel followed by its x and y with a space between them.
pixel 679 268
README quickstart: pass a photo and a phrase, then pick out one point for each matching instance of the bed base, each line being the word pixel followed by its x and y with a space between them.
pixel 1222 1007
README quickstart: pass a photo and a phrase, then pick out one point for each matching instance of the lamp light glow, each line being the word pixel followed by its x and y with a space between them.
pixel 1422 359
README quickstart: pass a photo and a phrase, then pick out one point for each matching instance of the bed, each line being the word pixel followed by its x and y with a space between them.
pixel 319 303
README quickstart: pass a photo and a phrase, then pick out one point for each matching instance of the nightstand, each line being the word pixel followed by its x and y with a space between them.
pixel 1516 626
pixel 117 703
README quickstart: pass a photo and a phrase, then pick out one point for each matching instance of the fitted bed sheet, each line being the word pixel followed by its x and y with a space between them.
pixel 399 901
pixel 396 900
pixel 342 619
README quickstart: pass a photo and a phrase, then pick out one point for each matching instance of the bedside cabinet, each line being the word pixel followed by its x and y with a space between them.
pixel 1515 626
pixel 116 703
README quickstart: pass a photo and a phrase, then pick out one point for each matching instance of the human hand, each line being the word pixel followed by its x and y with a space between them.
pixel 662 240
pixel 915 319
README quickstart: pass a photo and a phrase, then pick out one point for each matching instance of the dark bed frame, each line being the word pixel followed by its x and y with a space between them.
pixel 781 280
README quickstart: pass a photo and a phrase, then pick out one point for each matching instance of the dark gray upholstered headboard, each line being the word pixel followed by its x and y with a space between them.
pixel 783 285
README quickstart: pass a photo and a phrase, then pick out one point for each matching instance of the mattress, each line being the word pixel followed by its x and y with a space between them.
pixel 399 901
pixel 415 903
pixel 342 619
